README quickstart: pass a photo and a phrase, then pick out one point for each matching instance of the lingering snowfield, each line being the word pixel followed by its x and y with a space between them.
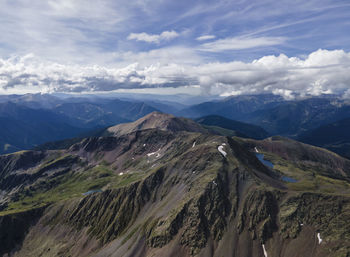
pixel 319 238
pixel 194 144
pixel 121 173
pixel 150 154
pixel 221 149
pixel 156 152
pixel 265 253
pixel 256 149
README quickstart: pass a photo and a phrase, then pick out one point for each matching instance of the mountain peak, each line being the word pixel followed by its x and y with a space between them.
pixel 160 121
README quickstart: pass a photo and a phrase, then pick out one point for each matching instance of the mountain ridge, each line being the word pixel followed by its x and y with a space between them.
pixel 154 191
pixel 157 120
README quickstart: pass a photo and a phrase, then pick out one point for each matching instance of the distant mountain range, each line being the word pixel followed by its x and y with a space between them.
pixel 275 115
pixel 334 136
pixel 49 118
pixel 236 108
pixel 214 122
pixel 24 127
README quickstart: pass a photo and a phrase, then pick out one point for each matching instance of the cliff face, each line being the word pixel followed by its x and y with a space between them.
pixel 163 193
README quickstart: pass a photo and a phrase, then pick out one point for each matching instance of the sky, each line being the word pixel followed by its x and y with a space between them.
pixel 201 47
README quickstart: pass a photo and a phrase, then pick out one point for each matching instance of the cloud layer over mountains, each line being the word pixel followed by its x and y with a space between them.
pixel 214 47
pixel 321 72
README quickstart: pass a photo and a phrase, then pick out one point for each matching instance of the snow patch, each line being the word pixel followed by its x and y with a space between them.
pixel 319 238
pixel 221 150
pixel 256 149
pixel 157 156
pixel 121 173
pixel 144 145
pixel 265 253
pixel 194 144
pixel 214 183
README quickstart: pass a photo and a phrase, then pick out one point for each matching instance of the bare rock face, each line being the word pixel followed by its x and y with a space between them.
pixel 160 187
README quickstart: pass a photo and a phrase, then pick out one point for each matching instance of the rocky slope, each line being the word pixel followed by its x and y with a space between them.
pixel 161 190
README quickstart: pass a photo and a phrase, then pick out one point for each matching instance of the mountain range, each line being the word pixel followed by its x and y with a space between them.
pixel 26 124
pixel 166 186
pixel 241 129
pixel 334 136
pixel 275 115
pixel 50 118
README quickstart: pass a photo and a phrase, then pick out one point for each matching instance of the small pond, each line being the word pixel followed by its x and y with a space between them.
pixel 92 191
pixel 269 164
pixel 289 179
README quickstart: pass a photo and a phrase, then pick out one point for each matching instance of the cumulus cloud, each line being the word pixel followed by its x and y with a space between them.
pixel 238 43
pixel 205 37
pixel 30 74
pixel 321 72
pixel 153 38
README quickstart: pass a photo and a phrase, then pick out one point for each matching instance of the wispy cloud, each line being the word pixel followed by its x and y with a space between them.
pixel 76 32
pixel 205 37
pixel 238 43
pixel 153 38
pixel 163 56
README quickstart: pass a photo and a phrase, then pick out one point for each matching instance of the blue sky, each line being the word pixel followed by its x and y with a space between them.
pixel 133 45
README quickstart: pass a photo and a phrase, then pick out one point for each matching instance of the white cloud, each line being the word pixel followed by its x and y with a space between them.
pixel 205 37
pixel 238 43
pixel 153 38
pixel 30 74
pixel 321 72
